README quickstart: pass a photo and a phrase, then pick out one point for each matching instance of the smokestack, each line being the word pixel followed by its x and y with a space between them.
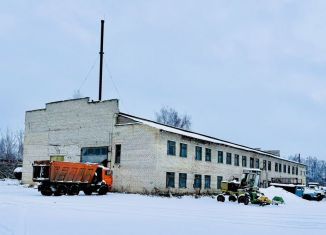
pixel 101 62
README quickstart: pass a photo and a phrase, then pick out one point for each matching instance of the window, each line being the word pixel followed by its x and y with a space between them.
pixel 94 154
pixel 117 154
pixel 244 161
pixel 228 158
pixel 208 155
pixel 220 156
pixel 236 160
pixel 251 162
pixel 289 170
pixel 171 147
pixel 182 180
pixel 197 181
pixel 284 168
pixel 280 167
pixel 198 153
pixel 269 166
pixel 264 165
pixel 170 179
pixel 296 170
pixel 207 181
pixel 276 166
pixel 183 150
pixel 292 170
pixel 257 164
pixel 219 181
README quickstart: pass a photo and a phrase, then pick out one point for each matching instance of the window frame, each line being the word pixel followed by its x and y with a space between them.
pixel 168 178
pixel 201 153
pixel 208 154
pixel 252 163
pixel 198 176
pixel 228 160
pixel 184 177
pixel 236 160
pixel 207 179
pixel 174 148
pixel 220 157
pixel 244 159
pixel 183 152
pixel 117 155
pixel 219 180
pixel 257 163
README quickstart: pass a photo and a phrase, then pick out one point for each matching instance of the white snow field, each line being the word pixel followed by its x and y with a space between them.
pixel 24 211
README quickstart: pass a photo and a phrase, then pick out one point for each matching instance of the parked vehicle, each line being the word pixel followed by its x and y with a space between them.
pixel 244 191
pixel 292 188
pixel 313 192
pixel 70 178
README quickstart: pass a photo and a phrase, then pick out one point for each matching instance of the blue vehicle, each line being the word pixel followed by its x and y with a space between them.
pixel 313 192
pixel 292 188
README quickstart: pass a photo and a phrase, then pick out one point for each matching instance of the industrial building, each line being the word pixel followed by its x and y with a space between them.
pixel 144 156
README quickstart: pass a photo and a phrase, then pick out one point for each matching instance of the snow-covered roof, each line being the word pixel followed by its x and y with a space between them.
pixel 198 136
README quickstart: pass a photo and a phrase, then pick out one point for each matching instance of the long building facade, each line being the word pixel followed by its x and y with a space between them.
pixel 144 156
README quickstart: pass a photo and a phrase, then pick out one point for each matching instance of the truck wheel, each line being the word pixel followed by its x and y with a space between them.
pixel 232 198
pixel 220 198
pixel 246 200
pixel 88 191
pixel 61 190
pixel 307 197
pixel 241 199
pixel 73 190
pixel 103 190
pixel 319 198
pixel 46 191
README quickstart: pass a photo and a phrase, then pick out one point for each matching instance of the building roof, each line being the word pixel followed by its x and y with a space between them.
pixel 198 136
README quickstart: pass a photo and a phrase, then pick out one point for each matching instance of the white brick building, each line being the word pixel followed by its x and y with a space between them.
pixel 143 155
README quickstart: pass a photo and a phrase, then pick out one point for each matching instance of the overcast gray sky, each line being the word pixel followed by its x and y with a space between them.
pixel 251 72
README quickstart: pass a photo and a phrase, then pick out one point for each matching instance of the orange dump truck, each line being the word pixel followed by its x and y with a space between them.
pixel 70 178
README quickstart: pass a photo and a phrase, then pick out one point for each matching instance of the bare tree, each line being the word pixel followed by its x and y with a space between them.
pixel 171 117
pixel 20 144
pixel 8 146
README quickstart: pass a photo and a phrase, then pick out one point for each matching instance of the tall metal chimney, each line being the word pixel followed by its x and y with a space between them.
pixel 101 62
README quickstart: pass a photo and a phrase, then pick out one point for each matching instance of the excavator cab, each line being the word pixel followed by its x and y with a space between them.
pixel 250 178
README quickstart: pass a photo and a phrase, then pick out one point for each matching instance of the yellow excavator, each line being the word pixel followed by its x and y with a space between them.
pixel 244 191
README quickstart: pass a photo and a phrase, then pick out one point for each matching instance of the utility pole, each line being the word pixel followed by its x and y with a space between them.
pixel 101 62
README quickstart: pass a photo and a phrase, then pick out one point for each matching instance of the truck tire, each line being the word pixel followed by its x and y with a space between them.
pixel 246 200
pixel 46 191
pixel 220 198
pixel 307 197
pixel 73 190
pixel 88 191
pixel 60 190
pixel 103 190
pixel 232 198
pixel 241 199
pixel 319 198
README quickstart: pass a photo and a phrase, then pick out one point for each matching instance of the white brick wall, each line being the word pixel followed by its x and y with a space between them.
pixel 63 128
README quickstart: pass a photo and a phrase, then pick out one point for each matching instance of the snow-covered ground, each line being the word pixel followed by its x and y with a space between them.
pixel 24 211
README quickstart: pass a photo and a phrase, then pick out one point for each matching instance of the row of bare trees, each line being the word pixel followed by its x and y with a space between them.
pixel 11 145
pixel 316 169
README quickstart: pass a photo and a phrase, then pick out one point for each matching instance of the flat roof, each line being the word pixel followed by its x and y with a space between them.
pixel 199 136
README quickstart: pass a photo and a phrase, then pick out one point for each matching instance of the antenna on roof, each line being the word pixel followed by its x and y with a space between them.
pixel 101 62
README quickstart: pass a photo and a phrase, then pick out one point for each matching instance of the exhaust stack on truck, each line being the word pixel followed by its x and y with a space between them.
pixel 60 178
